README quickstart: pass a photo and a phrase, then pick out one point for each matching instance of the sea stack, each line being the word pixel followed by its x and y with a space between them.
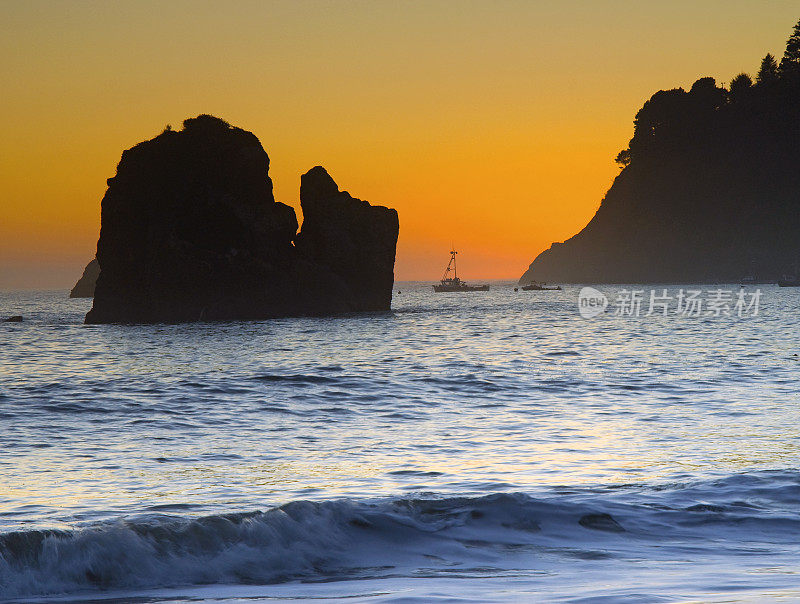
pixel 190 231
pixel 349 238
pixel 84 288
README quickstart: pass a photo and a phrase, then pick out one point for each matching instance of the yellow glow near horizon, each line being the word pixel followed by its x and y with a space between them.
pixel 492 125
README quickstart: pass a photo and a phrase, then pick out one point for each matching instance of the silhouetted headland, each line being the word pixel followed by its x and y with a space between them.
pixel 709 188
pixel 84 288
pixel 190 231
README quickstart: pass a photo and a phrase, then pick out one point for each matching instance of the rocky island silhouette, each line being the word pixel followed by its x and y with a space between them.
pixel 709 188
pixel 84 287
pixel 190 231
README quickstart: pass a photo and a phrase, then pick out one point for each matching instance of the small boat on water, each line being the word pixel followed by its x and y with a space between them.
pixel 790 279
pixel 451 283
pixel 537 286
pixel 751 280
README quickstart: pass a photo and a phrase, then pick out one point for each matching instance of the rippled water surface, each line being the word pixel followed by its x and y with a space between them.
pixel 491 445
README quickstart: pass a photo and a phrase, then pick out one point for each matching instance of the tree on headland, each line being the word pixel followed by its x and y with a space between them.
pixel 792 53
pixel 790 63
pixel 768 72
pixel 676 123
pixel 706 96
pixel 740 85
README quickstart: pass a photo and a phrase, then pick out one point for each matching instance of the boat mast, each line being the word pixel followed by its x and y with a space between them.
pixel 451 266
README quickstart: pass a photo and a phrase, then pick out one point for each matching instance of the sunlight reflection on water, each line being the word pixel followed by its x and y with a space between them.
pixel 449 393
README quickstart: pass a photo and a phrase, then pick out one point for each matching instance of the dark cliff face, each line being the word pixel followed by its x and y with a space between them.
pixel 349 238
pixel 190 231
pixel 84 288
pixel 709 191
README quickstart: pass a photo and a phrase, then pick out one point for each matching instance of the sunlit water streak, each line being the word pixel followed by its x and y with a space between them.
pixel 515 414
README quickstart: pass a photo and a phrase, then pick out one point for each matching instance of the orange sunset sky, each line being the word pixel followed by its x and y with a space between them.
pixel 492 125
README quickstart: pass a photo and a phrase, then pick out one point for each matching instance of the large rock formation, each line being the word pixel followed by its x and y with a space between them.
pixel 190 231
pixel 350 238
pixel 709 190
pixel 84 288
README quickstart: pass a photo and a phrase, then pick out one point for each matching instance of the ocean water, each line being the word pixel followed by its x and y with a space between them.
pixel 491 446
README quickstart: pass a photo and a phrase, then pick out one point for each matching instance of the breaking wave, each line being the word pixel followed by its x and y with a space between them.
pixel 458 536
